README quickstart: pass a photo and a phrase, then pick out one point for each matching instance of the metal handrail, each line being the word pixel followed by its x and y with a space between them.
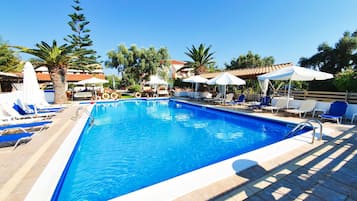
pixel 85 111
pixel 320 124
pixel 303 124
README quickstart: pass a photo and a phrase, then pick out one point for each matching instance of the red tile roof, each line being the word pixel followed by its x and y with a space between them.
pixel 177 62
pixel 250 72
pixel 42 77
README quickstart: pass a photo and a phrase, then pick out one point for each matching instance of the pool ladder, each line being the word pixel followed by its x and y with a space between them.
pixel 85 111
pixel 303 124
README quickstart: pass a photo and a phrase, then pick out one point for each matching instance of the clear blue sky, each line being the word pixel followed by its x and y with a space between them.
pixel 284 29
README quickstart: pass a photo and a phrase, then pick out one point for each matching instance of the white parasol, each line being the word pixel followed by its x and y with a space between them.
pixel 195 79
pixel 155 80
pixel 225 79
pixel 32 95
pixel 93 80
pixel 290 73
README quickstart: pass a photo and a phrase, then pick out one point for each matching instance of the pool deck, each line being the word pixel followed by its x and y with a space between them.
pixel 322 171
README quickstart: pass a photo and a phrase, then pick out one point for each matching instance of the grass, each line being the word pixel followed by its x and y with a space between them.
pixel 126 96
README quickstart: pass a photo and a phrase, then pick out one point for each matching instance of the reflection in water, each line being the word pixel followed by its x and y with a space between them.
pixel 182 117
pixel 228 135
pixel 159 110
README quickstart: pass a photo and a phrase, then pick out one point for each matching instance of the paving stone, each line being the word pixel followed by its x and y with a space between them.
pixel 266 195
pixel 348 172
pixel 255 198
pixel 253 173
pixel 327 194
pixel 310 197
pixel 303 179
pixel 286 188
pixel 350 167
pixel 354 195
pixel 337 186
pixel 345 179
pixel 349 199
pixel 298 183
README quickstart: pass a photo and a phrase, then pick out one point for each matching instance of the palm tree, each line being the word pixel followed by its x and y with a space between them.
pixel 201 58
pixel 57 59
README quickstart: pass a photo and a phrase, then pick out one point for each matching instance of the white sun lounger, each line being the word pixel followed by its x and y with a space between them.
pixel 305 107
pixel 216 98
pixel 13 114
pixel 279 104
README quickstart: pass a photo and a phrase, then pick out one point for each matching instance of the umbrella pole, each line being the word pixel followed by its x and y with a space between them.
pixel 225 92
pixel 289 90
pixel 95 92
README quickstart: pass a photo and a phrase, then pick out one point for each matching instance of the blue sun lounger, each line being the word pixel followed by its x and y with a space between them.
pixel 336 111
pixel 15 139
pixel 41 124
pixel 241 100
pixel 264 101
pixel 46 109
pixel 23 113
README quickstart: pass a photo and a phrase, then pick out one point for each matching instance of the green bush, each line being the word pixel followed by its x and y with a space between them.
pixel 134 88
pixel 346 80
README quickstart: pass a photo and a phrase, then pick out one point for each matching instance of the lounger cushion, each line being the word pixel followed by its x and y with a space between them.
pixel 11 139
pixel 329 116
pixel 25 125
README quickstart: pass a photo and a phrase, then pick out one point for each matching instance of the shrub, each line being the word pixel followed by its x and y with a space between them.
pixel 134 88
pixel 346 80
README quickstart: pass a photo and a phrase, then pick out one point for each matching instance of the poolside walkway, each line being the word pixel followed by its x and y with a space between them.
pixel 21 167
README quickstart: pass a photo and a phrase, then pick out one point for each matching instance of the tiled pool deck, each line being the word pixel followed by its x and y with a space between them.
pixel 322 171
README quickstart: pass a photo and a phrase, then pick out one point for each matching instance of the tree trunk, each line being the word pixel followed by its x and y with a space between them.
pixel 200 70
pixel 59 80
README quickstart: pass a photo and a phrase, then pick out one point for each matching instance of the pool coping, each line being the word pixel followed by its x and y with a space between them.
pixel 45 186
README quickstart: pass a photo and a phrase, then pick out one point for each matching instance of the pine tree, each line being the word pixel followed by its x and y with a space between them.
pixel 80 41
pixel 9 62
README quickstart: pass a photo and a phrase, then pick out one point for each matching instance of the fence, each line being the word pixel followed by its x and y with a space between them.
pixel 324 96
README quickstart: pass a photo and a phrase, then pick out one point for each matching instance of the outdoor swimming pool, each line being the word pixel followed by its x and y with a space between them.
pixel 138 143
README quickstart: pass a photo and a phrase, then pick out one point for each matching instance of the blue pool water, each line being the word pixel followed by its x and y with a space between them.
pixel 135 144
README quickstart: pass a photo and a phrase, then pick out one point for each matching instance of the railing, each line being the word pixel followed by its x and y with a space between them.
pixel 325 96
pixel 76 116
